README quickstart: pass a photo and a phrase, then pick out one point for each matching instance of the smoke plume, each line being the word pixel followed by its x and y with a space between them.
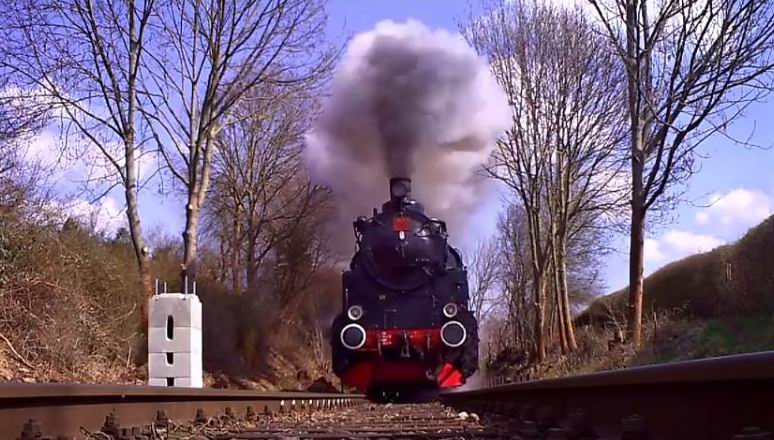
pixel 408 102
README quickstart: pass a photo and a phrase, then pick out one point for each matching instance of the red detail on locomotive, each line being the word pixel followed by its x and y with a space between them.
pixel 450 377
pixel 358 376
pixel 426 340
pixel 401 224
pixel 363 374
pixel 376 370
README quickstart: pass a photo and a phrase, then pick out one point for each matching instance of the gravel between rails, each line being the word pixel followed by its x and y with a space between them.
pixel 369 421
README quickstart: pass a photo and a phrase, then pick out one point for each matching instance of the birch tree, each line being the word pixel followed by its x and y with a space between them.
pixel 209 55
pixel 692 67
pixel 83 58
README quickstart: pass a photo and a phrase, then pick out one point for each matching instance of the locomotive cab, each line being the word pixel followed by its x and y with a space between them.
pixel 405 318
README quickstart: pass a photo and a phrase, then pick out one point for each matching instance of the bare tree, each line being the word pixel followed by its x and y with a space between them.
pixel 83 58
pixel 261 196
pixel 515 275
pixel 562 155
pixel 209 55
pixel 691 67
pixel 482 277
pixel 20 115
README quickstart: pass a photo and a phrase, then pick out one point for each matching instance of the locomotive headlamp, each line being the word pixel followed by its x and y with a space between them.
pixel 353 336
pixel 450 310
pixel 453 334
pixel 355 312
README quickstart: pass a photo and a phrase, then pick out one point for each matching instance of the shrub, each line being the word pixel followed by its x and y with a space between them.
pixel 68 304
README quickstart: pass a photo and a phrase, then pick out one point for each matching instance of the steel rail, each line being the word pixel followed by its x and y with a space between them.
pixel 709 399
pixel 66 410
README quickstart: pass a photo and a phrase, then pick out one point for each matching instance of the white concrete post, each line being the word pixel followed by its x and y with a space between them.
pixel 175 340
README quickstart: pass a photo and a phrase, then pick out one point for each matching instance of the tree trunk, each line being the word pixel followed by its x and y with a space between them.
pixel 540 342
pixel 133 217
pixel 147 288
pixel 637 133
pixel 561 322
pixel 251 266
pixel 132 173
pixel 636 282
pixel 572 345
pixel 558 310
pixel 235 254
pixel 138 242
pixel 188 274
pixel 222 264
pixel 196 196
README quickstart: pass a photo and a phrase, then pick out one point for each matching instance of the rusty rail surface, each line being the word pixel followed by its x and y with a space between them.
pixel 718 398
pixel 28 411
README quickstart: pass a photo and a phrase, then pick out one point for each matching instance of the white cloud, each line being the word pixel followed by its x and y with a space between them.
pixel 686 242
pixel 677 244
pixel 46 148
pixel 105 215
pixel 702 218
pixel 570 4
pixel 653 250
pixel 739 208
pixel 728 215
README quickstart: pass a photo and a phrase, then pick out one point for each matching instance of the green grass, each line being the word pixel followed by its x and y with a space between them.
pixel 736 335
pixel 718 338
pixel 684 339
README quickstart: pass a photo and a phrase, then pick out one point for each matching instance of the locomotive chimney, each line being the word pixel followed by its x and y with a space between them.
pixel 400 189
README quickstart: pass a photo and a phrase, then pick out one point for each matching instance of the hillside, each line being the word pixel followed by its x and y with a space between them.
pixel 710 304
pixel 730 281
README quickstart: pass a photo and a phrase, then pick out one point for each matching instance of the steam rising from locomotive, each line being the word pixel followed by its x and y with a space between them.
pixel 408 102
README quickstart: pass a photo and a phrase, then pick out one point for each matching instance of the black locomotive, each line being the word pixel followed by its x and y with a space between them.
pixel 405 320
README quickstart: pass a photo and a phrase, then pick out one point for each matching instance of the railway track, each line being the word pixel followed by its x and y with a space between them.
pixel 725 398
pixel 730 398
pixel 58 411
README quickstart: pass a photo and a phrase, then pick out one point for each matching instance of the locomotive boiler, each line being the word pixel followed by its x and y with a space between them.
pixel 405 323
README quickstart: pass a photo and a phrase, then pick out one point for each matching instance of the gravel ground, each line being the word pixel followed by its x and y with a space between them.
pixel 368 421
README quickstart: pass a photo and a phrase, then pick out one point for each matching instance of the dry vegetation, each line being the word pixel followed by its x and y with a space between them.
pixel 70 310
pixel 68 307
pixel 711 304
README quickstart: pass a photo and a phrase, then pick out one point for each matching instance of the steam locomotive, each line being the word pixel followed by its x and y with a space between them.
pixel 405 323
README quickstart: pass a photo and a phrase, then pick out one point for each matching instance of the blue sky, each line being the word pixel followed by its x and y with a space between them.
pixel 737 181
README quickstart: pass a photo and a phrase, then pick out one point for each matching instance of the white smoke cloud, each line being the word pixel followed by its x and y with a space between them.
pixel 408 102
